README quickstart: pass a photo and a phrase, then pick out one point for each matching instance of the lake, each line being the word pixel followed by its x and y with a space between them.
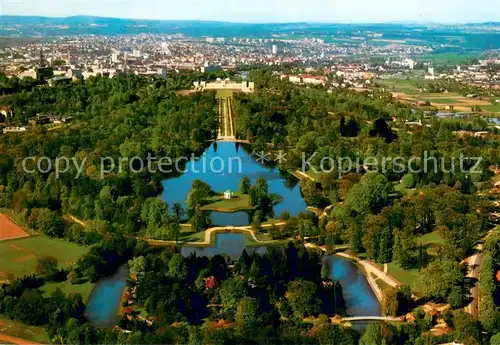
pixel 222 166
pixel 360 298
pixel 105 300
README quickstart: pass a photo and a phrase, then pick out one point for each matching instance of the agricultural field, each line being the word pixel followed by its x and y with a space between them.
pixel 408 90
pixel 19 257
pixel 10 230
pixel 448 58
pixel 18 330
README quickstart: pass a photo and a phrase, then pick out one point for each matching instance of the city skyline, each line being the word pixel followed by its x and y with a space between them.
pixel 279 11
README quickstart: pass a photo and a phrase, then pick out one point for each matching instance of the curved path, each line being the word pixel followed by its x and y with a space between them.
pixel 227 229
pixel 373 318
pixel 304 175
pixel 370 269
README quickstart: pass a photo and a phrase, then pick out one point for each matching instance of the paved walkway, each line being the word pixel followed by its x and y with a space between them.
pixel 227 229
pixel 370 269
pixel 474 266
pixel 305 175
pixel 373 318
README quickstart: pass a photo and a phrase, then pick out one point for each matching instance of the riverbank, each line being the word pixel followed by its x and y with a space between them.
pixel 371 272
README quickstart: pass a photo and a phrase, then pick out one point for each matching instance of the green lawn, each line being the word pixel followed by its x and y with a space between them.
pixel 407 277
pixel 381 284
pixel 448 58
pixel 262 236
pixel 19 330
pixel 84 289
pixel 410 277
pixel 239 202
pixel 19 257
pixel 188 235
pixel 442 100
pixel 431 238
pixel 224 94
pixel 490 108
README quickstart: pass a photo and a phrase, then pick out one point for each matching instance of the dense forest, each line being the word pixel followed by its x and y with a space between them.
pixel 378 215
pixel 122 117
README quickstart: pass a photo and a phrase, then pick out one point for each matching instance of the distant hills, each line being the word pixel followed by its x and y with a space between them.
pixel 473 36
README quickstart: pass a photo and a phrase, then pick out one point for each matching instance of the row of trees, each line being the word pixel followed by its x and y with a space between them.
pixel 490 313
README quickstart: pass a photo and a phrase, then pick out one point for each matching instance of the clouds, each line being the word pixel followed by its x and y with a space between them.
pixel 344 11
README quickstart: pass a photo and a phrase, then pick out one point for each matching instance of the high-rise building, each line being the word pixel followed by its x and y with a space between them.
pixel 162 72
pixel 275 49
pixel 136 53
pixel 114 57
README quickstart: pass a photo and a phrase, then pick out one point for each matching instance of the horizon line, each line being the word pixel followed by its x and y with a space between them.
pixel 401 22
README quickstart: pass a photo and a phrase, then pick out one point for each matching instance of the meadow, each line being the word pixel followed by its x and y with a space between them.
pixel 408 90
pixel 19 257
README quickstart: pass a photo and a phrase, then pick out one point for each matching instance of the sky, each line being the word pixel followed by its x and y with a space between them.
pixel 266 11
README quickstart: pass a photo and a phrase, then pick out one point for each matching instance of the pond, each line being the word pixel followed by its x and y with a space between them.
pixel 105 299
pixel 222 166
pixel 360 298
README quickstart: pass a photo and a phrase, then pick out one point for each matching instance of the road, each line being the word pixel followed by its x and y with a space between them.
pixel 474 263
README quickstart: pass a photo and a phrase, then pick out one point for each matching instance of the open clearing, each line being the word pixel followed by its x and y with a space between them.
pixel 238 202
pixel 9 230
pixel 10 328
pixel 410 277
pixel 84 289
pixel 19 257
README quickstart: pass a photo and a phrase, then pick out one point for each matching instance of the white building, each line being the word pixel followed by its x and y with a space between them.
pixel 114 58
pixel 410 63
pixel 162 72
pixel 275 49
pixel 295 79
pixel 228 195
